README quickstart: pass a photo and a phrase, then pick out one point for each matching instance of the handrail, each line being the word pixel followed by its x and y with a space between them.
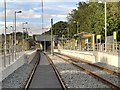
pixel 114 48
pixel 8 55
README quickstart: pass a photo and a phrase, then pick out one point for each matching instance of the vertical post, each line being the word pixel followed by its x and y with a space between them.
pixel 43 28
pixel 9 48
pixel 77 34
pixel 23 36
pixel 77 28
pixel 93 40
pixel 15 37
pixel 62 41
pixel 5 35
pixel 51 37
pixel 68 38
pixel 12 42
pixel 44 43
pixel 26 37
pixel 105 29
pixel 113 45
pixel 116 45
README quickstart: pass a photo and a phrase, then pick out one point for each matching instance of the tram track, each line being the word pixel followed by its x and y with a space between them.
pixel 32 74
pixel 103 80
pixel 61 81
pixel 96 66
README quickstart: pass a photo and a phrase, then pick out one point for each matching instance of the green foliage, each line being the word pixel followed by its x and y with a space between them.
pixel 90 17
pixel 59 28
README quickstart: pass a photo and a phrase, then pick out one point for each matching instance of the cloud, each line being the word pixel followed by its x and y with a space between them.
pixel 29 14
pixel 62 16
pixel 59 16
pixel 44 0
pixel 25 14
pixel 33 28
pixel 9 30
pixel 9 13
pixel 2 23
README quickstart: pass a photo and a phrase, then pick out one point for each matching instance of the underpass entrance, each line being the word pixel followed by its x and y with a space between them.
pixel 45 41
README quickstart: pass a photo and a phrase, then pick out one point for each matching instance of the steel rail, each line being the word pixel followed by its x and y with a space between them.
pixel 108 83
pixel 61 81
pixel 99 67
pixel 32 74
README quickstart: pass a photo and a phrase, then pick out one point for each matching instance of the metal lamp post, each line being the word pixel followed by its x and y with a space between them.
pixel 105 24
pixel 27 34
pixel 76 26
pixel 5 34
pixel 43 28
pixel 51 37
pixel 105 29
pixel 12 42
pixel 23 33
pixel 15 33
pixel 68 38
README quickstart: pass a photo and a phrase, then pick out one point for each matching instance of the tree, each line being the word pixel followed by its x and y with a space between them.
pixel 90 17
pixel 59 28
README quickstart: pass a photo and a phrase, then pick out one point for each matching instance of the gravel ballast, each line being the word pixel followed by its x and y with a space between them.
pixel 74 77
pixel 112 78
pixel 19 77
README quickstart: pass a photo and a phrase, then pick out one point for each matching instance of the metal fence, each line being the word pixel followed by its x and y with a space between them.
pixel 10 54
pixel 109 47
pixel 113 48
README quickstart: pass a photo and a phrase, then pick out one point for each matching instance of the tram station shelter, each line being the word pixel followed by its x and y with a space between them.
pixel 86 40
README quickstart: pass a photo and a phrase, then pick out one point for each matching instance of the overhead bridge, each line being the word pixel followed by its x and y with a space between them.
pixel 45 39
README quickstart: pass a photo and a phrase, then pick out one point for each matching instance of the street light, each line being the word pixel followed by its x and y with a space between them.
pixel 68 38
pixel 5 33
pixel 23 33
pixel 76 26
pixel 12 42
pixel 15 33
pixel 105 29
pixel 51 36
pixel 42 24
pixel 27 34
pixel 76 22
pixel 105 25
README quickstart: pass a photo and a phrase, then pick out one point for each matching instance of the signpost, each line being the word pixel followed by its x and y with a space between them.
pixel 114 40
pixel 51 37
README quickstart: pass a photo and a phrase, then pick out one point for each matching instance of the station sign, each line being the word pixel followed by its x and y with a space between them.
pixel 98 36
pixel 86 35
pixel 114 35
pixel 17 42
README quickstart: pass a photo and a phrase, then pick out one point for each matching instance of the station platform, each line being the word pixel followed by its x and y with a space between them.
pixel 93 56
pixel 45 76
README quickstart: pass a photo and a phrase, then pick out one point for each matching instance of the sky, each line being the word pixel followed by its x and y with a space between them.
pixel 32 13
